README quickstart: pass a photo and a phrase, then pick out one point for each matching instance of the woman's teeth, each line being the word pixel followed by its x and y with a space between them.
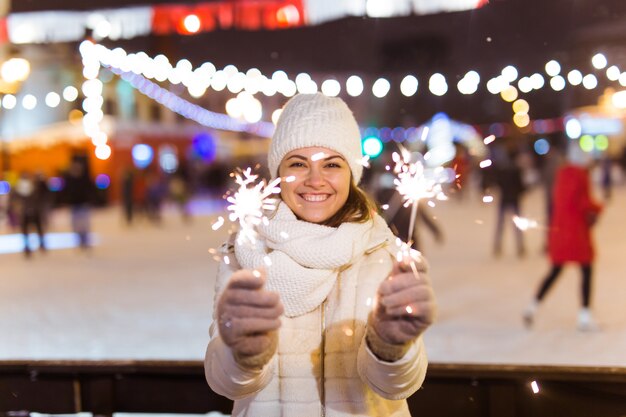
pixel 315 197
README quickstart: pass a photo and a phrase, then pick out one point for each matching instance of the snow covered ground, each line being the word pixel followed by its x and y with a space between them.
pixel 145 292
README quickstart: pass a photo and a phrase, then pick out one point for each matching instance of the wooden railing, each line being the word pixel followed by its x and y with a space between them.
pixel 106 387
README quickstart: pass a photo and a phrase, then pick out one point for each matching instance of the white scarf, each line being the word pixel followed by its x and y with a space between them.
pixel 306 257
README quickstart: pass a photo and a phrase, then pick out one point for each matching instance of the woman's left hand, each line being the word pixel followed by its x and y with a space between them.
pixel 405 307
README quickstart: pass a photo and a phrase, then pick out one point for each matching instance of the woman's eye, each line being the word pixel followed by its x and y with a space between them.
pixel 296 165
pixel 333 165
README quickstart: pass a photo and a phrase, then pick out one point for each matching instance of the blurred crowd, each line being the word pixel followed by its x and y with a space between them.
pixel 27 199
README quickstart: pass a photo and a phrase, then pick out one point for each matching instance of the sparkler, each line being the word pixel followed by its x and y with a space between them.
pixel 414 183
pixel 250 202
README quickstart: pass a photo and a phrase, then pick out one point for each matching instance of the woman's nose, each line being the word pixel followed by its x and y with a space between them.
pixel 314 177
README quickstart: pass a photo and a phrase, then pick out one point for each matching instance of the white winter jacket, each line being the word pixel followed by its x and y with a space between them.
pixel 323 366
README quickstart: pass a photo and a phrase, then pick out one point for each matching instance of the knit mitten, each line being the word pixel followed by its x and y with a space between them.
pixel 388 352
pixel 259 360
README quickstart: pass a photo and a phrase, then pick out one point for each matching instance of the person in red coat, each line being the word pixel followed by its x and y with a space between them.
pixel 574 212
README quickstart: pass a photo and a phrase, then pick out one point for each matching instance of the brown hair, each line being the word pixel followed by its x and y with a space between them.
pixel 358 208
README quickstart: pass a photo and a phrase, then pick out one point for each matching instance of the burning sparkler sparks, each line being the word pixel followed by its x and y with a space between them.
pixel 218 223
pixel 486 163
pixel 250 202
pixel 364 161
pixel 414 183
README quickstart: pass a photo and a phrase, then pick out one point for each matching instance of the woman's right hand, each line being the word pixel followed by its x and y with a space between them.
pixel 249 317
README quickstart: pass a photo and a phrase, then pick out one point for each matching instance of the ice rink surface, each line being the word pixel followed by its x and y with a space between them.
pixel 146 292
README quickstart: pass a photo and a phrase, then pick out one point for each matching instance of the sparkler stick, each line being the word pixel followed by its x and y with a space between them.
pixel 412 219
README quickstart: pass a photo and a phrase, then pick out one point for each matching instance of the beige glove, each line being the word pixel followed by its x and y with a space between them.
pixel 404 309
pixel 248 318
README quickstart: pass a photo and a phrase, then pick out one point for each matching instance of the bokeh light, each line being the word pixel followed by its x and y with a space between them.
pixel 510 73
pixel 613 73
pixel 586 143
pixel 75 116
pixel 372 146
pixel 331 88
pixel 553 68
pixel 5 187
pixel 276 115
pixel 354 85
pixel 168 159
pixel 29 102
pixel 9 101
pixel 590 81
pixel 557 83
pixel 102 181
pixel 573 128
pixel 599 61
pixel 56 184
pixel 521 106
pixel 575 77
pixel 204 146
pixel 70 93
pixel 53 99
pixel 142 155
pixel 601 142
pixel 381 87
pixel 192 23
pixel 509 94
pixel 521 119
pixel 103 152
pixel 437 84
pixel 409 85
pixel 525 84
pixel 541 146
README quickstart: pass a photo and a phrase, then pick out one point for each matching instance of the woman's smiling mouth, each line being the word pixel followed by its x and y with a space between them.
pixel 314 198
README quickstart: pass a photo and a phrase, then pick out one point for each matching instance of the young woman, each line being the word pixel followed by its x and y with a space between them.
pixel 334 326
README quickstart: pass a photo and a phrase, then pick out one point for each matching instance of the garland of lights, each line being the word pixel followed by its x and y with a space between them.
pixel 95 56
pixel 134 67
pixel 192 111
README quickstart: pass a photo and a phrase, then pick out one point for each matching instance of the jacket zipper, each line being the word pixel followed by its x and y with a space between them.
pixel 322 358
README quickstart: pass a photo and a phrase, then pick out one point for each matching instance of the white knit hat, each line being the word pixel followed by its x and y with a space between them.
pixel 309 120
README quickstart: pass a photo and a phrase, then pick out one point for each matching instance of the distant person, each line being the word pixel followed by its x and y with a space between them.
pixel 179 193
pixel 155 192
pixel 574 214
pixel 128 197
pixel 508 179
pixel 606 168
pixel 29 206
pixel 79 189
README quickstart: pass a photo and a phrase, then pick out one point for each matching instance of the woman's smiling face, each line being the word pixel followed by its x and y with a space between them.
pixel 315 183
